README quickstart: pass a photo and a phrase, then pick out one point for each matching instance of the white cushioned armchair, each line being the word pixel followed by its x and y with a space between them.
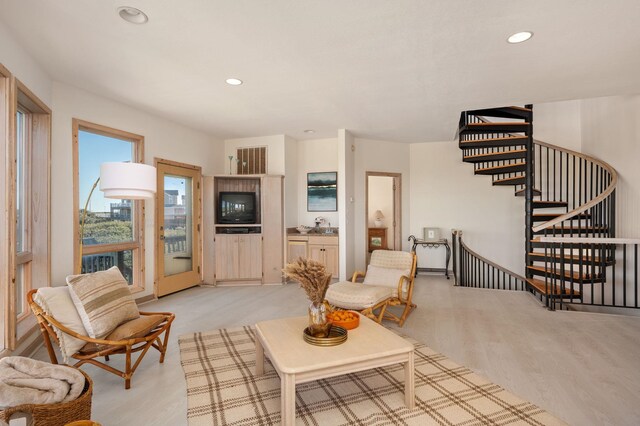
pixel 388 282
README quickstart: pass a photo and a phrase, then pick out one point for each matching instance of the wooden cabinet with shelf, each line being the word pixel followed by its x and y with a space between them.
pixel 377 239
pixel 325 250
pixel 249 253
pixel 297 247
pixel 242 259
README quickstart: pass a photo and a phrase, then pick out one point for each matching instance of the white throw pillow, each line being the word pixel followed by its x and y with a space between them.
pixel 384 277
pixel 56 302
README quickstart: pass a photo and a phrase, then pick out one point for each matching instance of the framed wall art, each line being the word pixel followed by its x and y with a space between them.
pixel 322 192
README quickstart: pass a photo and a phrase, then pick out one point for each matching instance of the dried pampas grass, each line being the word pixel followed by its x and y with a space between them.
pixel 311 275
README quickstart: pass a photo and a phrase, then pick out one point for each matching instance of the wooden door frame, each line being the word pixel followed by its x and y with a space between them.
pixel 197 195
pixel 397 209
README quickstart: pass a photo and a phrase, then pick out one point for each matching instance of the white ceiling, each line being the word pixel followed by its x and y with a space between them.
pixel 385 69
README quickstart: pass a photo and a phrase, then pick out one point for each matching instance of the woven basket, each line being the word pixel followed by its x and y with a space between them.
pixel 57 414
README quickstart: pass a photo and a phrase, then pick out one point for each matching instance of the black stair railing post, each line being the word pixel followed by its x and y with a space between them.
pixel 454 244
pixel 528 194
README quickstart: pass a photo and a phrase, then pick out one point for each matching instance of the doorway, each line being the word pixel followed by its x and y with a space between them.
pixel 178 223
pixel 383 211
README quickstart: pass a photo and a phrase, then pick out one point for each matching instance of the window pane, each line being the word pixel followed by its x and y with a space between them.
pixel 21 183
pixel 178 221
pixel 108 220
pixel 20 282
pixel 103 261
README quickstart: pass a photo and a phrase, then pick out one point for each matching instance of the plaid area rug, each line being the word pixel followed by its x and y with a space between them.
pixel 222 390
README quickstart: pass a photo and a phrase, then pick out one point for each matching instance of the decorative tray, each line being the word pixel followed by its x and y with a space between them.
pixel 337 335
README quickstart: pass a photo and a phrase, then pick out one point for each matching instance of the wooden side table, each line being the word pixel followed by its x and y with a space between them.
pixel 377 239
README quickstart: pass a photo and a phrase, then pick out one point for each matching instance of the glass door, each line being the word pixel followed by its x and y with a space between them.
pixel 178 227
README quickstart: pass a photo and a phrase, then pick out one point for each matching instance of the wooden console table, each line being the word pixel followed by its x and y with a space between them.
pixel 432 244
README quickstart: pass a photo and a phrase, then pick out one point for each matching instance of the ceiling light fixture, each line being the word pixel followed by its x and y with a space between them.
pixel 309 131
pixel 234 81
pixel 133 15
pixel 520 37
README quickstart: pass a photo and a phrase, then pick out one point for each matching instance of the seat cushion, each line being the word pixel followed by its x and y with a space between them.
pixel 56 302
pixel 356 296
pixel 139 327
pixel 103 301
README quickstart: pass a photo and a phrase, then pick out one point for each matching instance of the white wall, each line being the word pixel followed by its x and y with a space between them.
pixel 379 156
pixel 611 132
pixel 316 155
pixel 346 202
pixel 558 123
pixel 291 181
pixel 446 194
pixel 23 66
pixel 163 139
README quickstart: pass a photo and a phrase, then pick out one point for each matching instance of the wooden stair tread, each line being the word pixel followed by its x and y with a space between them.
pixel 544 217
pixel 539 244
pixel 515 180
pixel 493 142
pixel 498 123
pixel 498 168
pixel 567 274
pixel 520 108
pixel 495 156
pixel 549 204
pixel 587 260
pixel 575 230
pixel 505 138
pixel 487 154
pixel 496 127
pixel 539 285
pixel 536 192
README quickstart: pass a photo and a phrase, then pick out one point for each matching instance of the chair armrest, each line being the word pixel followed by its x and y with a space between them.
pixel 409 283
pixel 168 320
pixel 357 274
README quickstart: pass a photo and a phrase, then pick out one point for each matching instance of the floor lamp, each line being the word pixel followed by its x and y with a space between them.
pixel 123 181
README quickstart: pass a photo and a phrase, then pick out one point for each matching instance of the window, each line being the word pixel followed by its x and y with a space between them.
pixel 251 161
pixel 113 229
pixel 22 212
pixel 25 123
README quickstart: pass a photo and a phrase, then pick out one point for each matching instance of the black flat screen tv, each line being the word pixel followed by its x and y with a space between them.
pixel 237 207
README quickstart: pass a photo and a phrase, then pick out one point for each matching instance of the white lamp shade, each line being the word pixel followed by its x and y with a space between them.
pixel 128 181
pixel 378 215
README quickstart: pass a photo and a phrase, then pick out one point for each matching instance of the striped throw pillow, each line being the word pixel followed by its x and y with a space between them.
pixel 103 301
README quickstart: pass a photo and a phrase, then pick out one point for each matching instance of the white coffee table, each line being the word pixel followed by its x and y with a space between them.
pixel 368 346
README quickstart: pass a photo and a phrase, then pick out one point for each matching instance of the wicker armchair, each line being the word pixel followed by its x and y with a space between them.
pixel 96 348
pixel 388 282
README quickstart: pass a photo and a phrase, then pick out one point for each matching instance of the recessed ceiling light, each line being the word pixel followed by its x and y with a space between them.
pixel 520 37
pixel 309 131
pixel 234 81
pixel 133 15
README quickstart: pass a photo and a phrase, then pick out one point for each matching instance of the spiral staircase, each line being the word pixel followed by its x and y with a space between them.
pixel 569 197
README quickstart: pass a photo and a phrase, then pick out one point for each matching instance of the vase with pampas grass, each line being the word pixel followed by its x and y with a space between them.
pixel 314 279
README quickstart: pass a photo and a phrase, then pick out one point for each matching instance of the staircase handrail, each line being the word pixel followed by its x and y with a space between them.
pixel 589 204
pixel 584 240
pixel 487 261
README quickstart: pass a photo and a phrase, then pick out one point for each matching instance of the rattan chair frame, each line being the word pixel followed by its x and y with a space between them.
pixel 105 348
pixel 401 300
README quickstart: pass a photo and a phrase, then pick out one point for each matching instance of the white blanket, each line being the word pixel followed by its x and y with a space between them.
pixel 27 381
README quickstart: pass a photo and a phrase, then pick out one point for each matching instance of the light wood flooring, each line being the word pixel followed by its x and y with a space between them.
pixel 582 367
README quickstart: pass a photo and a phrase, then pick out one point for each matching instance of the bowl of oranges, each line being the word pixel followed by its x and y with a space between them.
pixel 345 319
